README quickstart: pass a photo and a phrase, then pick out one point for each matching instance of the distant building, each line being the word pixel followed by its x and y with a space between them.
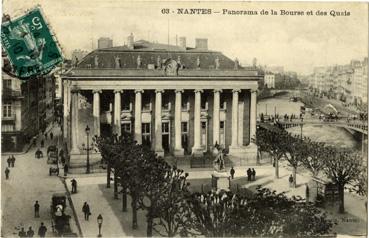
pixel 78 55
pixel 275 69
pixel 104 42
pixel 269 80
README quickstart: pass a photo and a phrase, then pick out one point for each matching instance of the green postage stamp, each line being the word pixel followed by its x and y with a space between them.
pixel 31 48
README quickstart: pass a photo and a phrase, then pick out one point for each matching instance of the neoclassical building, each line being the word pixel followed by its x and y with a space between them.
pixel 176 99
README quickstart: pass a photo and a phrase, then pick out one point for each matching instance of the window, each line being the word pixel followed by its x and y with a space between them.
pixel 7 83
pixel 146 134
pixel 166 104
pixel 222 133
pixel 204 103
pixel 126 105
pixel 223 103
pixel 146 103
pixel 7 110
pixel 126 127
pixel 184 127
pixel 203 125
pixel 221 125
pixel 165 127
pixel 7 128
pixel 184 102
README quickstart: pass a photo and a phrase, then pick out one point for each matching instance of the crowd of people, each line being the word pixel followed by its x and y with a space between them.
pixel 277 117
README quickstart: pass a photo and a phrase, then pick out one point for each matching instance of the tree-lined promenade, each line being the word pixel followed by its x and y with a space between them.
pixel 172 210
pixel 343 167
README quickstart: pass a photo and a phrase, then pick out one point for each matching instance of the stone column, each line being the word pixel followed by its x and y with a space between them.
pixel 117 111
pixel 74 122
pixel 235 118
pixel 178 150
pixel 216 116
pixel 66 110
pixel 158 135
pixel 138 108
pixel 96 111
pixel 253 115
pixel 196 149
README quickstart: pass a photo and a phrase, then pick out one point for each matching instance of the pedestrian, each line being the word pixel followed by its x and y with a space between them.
pixel 74 185
pixel 37 209
pixel 232 173
pixel 30 232
pixel 249 174
pixel 7 171
pixel 66 170
pixel 307 192
pixel 86 210
pixel 42 230
pixel 22 233
pixel 62 160
pixel 290 179
pixel 51 135
pixel 13 161
pixel 253 173
pixel 9 161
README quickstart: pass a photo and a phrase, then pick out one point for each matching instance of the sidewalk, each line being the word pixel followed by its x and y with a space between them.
pixel 92 189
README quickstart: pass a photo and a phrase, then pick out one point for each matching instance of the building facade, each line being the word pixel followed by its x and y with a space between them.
pixel 269 80
pixel 177 101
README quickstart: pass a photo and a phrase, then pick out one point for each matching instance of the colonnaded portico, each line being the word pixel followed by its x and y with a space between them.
pixel 174 111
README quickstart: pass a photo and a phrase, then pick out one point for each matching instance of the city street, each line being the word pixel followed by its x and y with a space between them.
pixel 29 181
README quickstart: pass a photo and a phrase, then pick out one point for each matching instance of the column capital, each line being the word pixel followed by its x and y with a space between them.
pixel 96 91
pixel 180 90
pixel 75 90
pixel 118 91
pixel 236 90
pixel 253 90
pixel 159 90
pixel 139 90
pixel 198 91
pixel 217 90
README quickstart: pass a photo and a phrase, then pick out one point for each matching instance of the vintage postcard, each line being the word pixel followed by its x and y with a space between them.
pixel 162 118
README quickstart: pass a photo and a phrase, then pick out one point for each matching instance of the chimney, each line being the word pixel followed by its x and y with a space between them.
pixel 201 43
pixel 182 42
pixel 130 40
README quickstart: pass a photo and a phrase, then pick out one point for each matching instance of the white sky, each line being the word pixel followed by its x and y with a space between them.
pixel 296 42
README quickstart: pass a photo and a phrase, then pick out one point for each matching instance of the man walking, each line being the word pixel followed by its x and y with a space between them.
pixel 7 171
pixel 74 185
pixel 37 209
pixel 232 173
pixel 9 161
pixel 13 161
pixel 253 173
pixel 249 174
pixel 86 210
pixel 290 179
pixel 30 232
pixel 42 230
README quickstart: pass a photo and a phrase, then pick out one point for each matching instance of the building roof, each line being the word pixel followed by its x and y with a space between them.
pixel 149 53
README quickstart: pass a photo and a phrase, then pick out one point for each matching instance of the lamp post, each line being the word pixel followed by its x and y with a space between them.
pixel 88 150
pixel 99 222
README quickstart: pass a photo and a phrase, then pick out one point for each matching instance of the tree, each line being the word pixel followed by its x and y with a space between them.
pixel 267 213
pixel 171 208
pixel 342 167
pixel 274 143
pixel 296 152
pixel 317 154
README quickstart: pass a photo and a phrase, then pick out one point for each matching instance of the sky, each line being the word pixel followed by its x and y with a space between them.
pixel 298 43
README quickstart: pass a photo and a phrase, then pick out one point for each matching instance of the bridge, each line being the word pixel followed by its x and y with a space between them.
pixel 355 125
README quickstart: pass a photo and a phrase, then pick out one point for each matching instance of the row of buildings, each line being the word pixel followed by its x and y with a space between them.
pixel 28 106
pixel 347 83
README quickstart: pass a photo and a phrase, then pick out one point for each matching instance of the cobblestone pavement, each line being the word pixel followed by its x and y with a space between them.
pixel 29 181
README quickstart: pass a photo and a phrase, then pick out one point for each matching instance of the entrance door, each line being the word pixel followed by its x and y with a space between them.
pixel 165 136
pixel 204 133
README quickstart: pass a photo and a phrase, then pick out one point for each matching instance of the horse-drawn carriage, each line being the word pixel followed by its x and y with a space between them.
pixel 60 219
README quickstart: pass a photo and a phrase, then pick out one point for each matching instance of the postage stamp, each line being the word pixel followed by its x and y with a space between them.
pixel 30 45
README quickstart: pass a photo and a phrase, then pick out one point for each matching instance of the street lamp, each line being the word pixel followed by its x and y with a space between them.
pixel 88 150
pixel 99 222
